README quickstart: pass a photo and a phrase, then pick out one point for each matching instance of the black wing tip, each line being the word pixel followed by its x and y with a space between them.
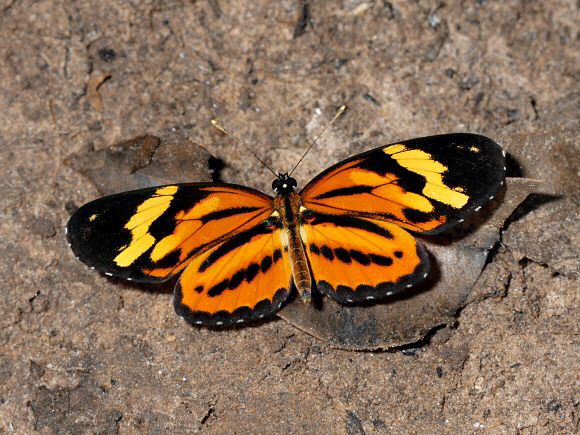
pixel 482 187
pixel 95 232
pixel 242 315
pixel 87 253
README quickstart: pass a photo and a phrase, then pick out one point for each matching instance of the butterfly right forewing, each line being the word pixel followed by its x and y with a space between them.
pixel 425 185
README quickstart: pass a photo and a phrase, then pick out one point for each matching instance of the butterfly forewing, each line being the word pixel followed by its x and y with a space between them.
pixel 425 185
pixel 149 235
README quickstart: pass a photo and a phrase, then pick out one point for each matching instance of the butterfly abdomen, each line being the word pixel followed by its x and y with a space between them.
pixel 300 269
pixel 288 206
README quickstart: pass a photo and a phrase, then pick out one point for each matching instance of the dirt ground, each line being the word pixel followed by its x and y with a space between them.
pixel 81 353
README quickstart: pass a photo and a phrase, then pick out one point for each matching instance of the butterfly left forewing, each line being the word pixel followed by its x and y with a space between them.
pixel 355 259
pixel 245 278
pixel 150 235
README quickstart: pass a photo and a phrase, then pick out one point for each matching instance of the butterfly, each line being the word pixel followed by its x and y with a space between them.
pixel 346 235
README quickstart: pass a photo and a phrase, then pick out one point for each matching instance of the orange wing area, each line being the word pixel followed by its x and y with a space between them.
pixel 152 234
pixel 245 278
pixel 354 259
pixel 425 185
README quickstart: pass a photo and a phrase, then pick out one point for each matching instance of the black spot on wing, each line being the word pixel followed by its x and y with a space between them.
pixel 327 253
pixel 343 255
pixel 359 257
pixel 314 249
pixel 237 279
pixel 381 260
pixel 218 289
pixel 266 264
pixel 252 271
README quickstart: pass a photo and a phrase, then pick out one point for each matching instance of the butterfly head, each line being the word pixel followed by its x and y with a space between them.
pixel 284 184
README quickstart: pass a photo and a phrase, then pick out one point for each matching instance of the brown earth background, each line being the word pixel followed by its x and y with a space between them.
pixel 80 353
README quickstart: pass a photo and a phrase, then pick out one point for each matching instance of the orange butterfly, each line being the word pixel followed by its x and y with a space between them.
pixel 345 235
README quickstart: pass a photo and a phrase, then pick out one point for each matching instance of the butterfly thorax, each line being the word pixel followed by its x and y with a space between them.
pixel 287 205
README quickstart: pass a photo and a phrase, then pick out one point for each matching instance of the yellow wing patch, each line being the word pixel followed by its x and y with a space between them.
pixel 424 164
pixel 151 209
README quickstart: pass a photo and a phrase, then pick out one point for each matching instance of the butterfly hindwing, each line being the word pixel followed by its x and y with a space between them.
pixel 425 185
pixel 151 234
pixel 355 259
pixel 245 278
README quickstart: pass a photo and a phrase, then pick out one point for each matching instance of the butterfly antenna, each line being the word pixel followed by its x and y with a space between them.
pixel 336 115
pixel 219 127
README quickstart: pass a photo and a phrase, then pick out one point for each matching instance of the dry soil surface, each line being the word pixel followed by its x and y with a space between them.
pixel 81 353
